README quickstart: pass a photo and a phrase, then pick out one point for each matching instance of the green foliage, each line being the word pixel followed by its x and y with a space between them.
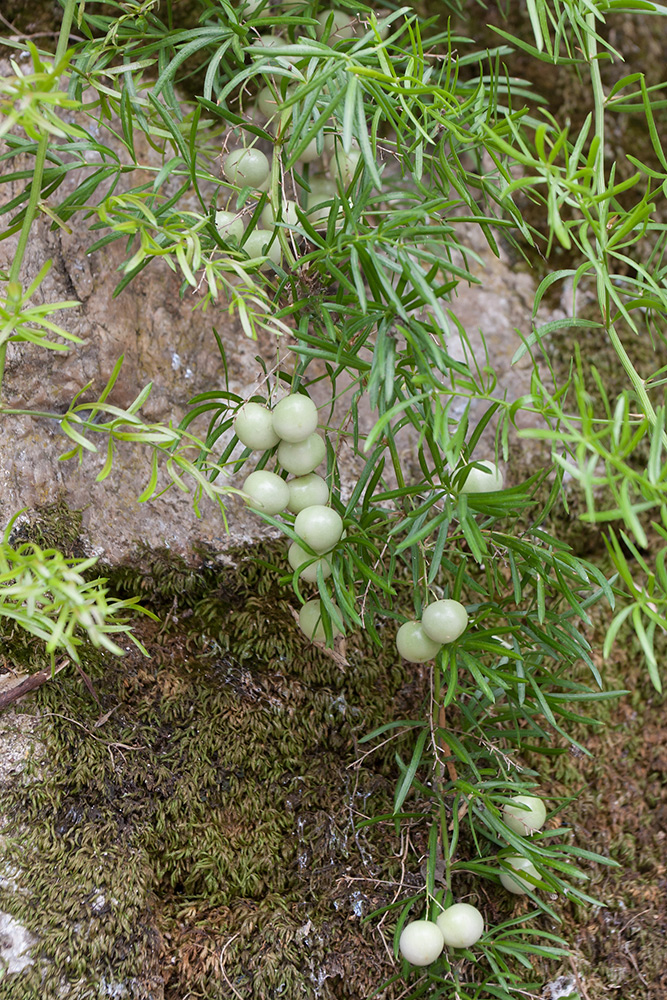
pixel 425 134
pixel 53 598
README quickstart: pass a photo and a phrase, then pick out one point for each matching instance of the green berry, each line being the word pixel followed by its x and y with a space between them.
pixel 302 457
pixel 421 942
pixel 414 645
pixel 513 883
pixel 320 527
pixel 253 425
pixel 266 492
pixel 462 925
pixel 444 621
pixel 298 557
pixel 310 621
pixel 307 491
pixel 486 480
pixel 295 418
pixel 525 821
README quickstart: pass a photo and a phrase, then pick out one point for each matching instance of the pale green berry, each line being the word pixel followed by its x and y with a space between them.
pixel 320 527
pixel 302 457
pixel 462 925
pixel 414 645
pixel 444 621
pixel 514 883
pixel 289 217
pixel 344 165
pixel 486 480
pixel 295 417
pixel 298 556
pixel 257 245
pixel 266 492
pixel 421 942
pixel 229 225
pixel 322 188
pixel 253 425
pixel 307 491
pixel 252 6
pixel 267 102
pixel 310 621
pixel 246 167
pixel 329 143
pixel 341 26
pixel 525 821
pixel 310 154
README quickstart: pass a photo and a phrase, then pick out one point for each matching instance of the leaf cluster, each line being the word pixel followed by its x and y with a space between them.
pixel 58 601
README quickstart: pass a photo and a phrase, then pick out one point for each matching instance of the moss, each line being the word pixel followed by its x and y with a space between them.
pixel 213 804
pixel 52 526
pixel 619 810
pixel 201 839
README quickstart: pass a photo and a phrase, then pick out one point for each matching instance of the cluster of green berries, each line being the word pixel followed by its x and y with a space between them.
pixel 292 426
pixel 248 167
pixel 462 925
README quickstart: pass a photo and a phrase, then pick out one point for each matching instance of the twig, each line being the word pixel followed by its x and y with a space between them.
pixel 107 743
pixel 222 967
pixel 30 683
pixel 338 658
pixel 401 732
pixel 36 34
pixel 89 685
pixel 580 985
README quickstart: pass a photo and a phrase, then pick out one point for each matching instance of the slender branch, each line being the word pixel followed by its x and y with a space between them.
pixel 637 381
pixel 38 173
pixel 65 28
pixel 29 683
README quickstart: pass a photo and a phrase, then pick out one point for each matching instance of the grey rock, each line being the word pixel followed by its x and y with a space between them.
pixel 15 945
pixel 163 339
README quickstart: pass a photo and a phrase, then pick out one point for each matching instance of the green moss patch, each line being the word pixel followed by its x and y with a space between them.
pixel 195 828
pixel 196 832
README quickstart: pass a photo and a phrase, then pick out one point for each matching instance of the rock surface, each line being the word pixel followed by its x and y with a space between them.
pixel 164 340
pixel 15 945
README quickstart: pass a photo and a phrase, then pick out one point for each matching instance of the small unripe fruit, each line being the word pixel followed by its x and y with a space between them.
pixel 321 190
pixel 342 26
pixel 258 244
pixel 310 621
pixel 298 557
pixel 483 481
pixel 462 925
pixel 266 492
pixel 514 883
pixel 302 457
pixel 444 621
pixel 253 425
pixel 295 418
pixel 528 820
pixel 307 491
pixel 267 102
pixel 269 215
pixel 344 165
pixel 229 225
pixel 421 942
pixel 414 645
pixel 310 153
pixel 320 527
pixel 246 167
